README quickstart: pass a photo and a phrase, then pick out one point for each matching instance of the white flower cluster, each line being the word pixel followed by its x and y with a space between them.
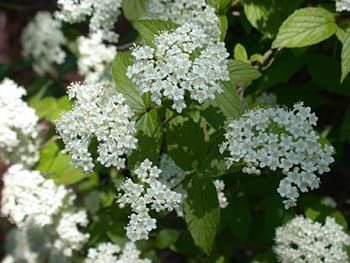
pixel 145 195
pixel 220 187
pixel 183 60
pixel 95 58
pixel 342 5
pixel 304 241
pixel 280 139
pixel 34 203
pixel 104 14
pixel 29 194
pixel 69 236
pixel 98 112
pixel 18 126
pixel 108 253
pixel 42 41
pixel 187 11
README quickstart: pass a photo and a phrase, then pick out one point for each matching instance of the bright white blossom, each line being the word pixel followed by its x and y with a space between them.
pixel 148 193
pixel 42 41
pixel 185 60
pixel 44 214
pixel 98 112
pixel 69 236
pixel 104 14
pixel 18 126
pixel 187 11
pixel 32 244
pixel 95 58
pixel 342 5
pixel 109 253
pixel 277 138
pixel 220 187
pixel 304 241
pixel 28 195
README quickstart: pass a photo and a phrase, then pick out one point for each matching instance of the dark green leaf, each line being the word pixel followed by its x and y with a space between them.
pixel 202 212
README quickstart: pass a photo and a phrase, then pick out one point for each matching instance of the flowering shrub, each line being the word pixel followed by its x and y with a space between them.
pixel 139 131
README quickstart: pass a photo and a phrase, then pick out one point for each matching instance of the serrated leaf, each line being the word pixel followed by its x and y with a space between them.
pixel 124 85
pixel 149 139
pixel 148 123
pixel 50 108
pixel 345 57
pixel 240 53
pixel 267 15
pixel 305 27
pixel 133 9
pixel 149 29
pixel 228 101
pixel 58 166
pixel 241 72
pixel 202 212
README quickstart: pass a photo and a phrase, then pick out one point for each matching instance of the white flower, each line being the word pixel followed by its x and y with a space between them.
pixel 42 41
pixel 32 243
pixel 104 14
pixel 69 236
pixel 184 61
pixel 108 253
pixel 280 139
pixel 95 58
pixel 98 112
pixel 18 126
pixel 187 11
pixel 28 195
pixel 342 5
pixel 220 187
pixel 304 241
pixel 149 193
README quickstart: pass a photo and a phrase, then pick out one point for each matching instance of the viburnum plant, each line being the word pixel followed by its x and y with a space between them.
pixel 177 131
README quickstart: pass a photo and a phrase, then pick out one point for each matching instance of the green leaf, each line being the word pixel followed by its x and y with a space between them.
pixel 149 29
pixel 241 72
pixel 221 6
pixel 223 27
pixel 305 27
pixel 58 166
pixel 148 123
pixel 50 108
pixel 202 212
pixel 240 53
pixel 186 143
pixel 124 85
pixel 268 15
pixel 166 238
pixel 228 101
pixel 345 57
pixel 133 9
pixel 149 139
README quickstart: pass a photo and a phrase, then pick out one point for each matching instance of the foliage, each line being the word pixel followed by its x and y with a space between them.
pixel 297 50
